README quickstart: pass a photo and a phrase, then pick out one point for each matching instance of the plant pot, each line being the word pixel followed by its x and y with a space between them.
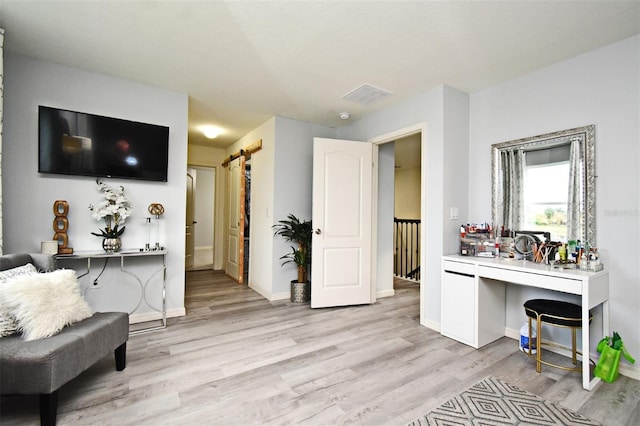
pixel 111 245
pixel 300 292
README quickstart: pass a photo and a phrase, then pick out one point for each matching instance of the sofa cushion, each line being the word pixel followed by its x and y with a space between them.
pixel 9 261
pixel 43 365
pixel 43 262
pixel 44 303
pixel 8 324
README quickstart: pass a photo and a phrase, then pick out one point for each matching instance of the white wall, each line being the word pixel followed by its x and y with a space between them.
pixel 262 190
pixel 407 193
pixel 281 183
pixel 601 87
pixel 386 210
pixel 456 174
pixel 293 180
pixel 29 196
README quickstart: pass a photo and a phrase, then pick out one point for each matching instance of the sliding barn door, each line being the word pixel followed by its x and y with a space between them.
pixel 235 219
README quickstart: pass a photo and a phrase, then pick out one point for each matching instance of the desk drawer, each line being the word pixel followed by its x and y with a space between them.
pixel 460 267
pixel 566 285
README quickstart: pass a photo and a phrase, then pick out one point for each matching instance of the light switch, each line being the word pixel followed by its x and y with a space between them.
pixel 454 213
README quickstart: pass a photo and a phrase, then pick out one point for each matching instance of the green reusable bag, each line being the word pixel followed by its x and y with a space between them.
pixel 610 349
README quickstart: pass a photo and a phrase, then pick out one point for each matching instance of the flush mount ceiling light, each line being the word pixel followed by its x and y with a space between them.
pixel 344 115
pixel 210 132
pixel 366 94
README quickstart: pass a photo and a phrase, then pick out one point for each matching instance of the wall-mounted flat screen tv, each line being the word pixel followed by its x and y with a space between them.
pixel 76 143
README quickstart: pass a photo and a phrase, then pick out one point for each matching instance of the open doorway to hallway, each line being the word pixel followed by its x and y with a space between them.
pixel 201 216
pixel 411 143
pixel 406 216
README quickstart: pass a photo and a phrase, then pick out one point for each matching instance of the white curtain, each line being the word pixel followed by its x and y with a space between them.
pixel 513 162
pixel 1 122
pixel 575 215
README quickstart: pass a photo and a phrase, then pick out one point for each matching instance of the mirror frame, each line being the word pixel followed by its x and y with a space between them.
pixel 549 140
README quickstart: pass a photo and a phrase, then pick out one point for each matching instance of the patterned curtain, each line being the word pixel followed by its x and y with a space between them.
pixel 575 215
pixel 513 180
pixel 1 114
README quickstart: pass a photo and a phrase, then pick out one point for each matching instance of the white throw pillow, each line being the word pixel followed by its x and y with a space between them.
pixel 45 303
pixel 8 324
pixel 19 271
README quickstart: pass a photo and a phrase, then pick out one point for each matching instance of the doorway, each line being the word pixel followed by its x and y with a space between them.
pixel 386 209
pixel 382 211
pixel 200 218
pixel 406 215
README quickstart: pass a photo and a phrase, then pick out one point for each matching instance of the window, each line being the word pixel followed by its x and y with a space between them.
pixel 545 198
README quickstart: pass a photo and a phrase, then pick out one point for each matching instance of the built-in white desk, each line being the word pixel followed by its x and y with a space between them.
pixel 473 298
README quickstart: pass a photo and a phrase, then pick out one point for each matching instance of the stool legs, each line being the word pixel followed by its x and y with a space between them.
pixel 558 314
pixel 573 346
pixel 538 344
pixel 538 364
pixel 538 347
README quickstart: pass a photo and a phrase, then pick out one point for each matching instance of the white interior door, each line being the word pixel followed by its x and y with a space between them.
pixel 342 217
pixel 235 219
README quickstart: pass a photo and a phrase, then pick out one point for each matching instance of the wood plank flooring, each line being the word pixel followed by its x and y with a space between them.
pixel 237 359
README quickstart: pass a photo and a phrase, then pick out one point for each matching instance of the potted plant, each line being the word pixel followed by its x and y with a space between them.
pixel 299 232
pixel 114 210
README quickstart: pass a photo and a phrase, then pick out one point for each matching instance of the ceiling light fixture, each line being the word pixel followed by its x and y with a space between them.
pixel 210 132
pixel 344 115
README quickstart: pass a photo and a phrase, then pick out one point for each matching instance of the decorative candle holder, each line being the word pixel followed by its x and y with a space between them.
pixel 157 210
pixel 147 226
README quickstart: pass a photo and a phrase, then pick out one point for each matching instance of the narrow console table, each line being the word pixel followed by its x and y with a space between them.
pixel 473 298
pixel 122 255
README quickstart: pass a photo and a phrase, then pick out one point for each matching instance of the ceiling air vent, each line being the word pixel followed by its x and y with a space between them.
pixel 366 94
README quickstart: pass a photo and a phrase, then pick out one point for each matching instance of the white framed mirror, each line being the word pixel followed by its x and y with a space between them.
pixel 546 183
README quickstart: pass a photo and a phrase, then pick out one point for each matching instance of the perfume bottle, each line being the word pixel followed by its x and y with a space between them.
pixel 147 225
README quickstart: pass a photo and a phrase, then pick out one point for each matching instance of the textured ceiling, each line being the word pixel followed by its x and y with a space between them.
pixel 242 62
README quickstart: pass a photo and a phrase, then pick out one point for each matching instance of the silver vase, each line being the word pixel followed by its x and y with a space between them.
pixel 111 245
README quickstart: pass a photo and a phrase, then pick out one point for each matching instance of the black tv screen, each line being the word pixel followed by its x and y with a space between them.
pixel 76 143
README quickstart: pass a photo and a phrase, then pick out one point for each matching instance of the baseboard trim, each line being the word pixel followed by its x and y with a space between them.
pixel 385 293
pixel 287 295
pixel 433 325
pixel 269 296
pixel 280 296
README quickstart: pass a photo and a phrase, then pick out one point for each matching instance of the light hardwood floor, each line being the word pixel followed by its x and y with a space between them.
pixel 202 259
pixel 239 359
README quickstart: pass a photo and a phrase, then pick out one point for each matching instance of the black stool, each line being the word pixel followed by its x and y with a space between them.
pixel 559 314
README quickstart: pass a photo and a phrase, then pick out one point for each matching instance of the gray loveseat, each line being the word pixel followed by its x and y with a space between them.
pixel 41 367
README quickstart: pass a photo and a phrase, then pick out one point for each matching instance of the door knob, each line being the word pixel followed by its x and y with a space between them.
pixel 318 232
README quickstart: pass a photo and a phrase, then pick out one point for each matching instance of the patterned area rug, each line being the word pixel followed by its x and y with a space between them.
pixel 494 402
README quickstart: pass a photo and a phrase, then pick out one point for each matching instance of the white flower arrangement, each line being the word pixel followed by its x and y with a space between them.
pixel 114 210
